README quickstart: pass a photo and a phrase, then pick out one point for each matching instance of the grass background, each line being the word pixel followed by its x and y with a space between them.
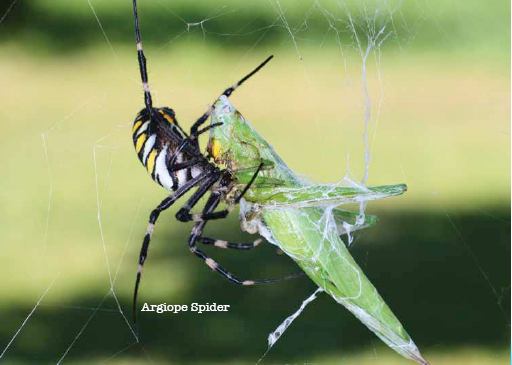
pixel 439 256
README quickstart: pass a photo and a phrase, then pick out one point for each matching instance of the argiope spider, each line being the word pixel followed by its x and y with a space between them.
pixel 175 161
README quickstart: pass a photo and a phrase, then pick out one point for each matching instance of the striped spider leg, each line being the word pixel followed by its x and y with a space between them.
pixel 196 236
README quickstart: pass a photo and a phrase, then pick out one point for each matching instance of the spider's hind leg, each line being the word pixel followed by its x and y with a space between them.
pixel 212 203
pixel 230 245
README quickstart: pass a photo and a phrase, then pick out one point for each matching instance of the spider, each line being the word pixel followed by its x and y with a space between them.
pixel 174 160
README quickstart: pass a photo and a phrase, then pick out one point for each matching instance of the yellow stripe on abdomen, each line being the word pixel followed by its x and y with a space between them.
pixel 167 116
pixel 150 165
pixel 136 126
pixel 140 142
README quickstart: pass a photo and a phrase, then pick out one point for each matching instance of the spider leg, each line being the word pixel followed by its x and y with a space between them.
pixel 248 186
pixel 226 244
pixel 223 214
pixel 142 62
pixel 192 139
pixel 212 203
pixel 166 203
pixel 200 121
pixel 184 165
pixel 184 215
pixel 227 93
pixel 184 143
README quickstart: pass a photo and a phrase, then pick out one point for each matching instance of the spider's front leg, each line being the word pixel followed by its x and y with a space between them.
pixel 194 130
pixel 227 93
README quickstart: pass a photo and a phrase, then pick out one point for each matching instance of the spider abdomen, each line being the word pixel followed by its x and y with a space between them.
pixel 156 138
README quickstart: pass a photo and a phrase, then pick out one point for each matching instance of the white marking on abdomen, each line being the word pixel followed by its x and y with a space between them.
pixel 161 171
pixel 182 174
pixel 142 128
pixel 148 146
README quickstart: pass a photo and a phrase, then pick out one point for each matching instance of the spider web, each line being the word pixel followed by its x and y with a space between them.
pixel 111 189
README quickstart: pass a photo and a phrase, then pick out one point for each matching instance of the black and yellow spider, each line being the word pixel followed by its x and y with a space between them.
pixel 175 161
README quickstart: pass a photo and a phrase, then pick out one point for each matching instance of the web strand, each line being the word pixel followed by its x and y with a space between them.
pixel 28 317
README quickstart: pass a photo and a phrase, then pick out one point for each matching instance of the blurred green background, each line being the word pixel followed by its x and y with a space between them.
pixel 75 200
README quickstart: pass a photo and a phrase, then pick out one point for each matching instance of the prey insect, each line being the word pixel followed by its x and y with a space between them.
pixel 304 220
pixel 174 160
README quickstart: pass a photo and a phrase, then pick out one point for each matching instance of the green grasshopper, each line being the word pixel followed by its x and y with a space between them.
pixel 302 220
